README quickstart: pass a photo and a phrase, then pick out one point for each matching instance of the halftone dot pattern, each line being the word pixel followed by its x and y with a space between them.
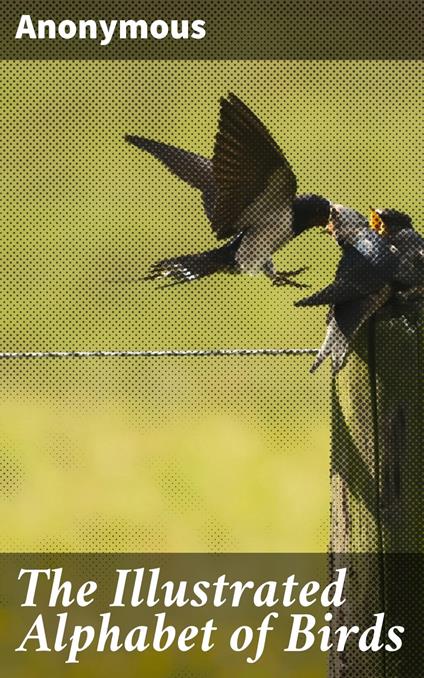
pixel 175 486
pixel 12 476
pixel 109 533
pixel 170 454
pixel 62 452
pixel 377 480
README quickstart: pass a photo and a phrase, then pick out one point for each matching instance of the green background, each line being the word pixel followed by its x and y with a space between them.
pixel 222 454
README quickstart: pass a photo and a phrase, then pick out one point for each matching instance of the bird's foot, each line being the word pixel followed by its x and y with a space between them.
pixel 280 278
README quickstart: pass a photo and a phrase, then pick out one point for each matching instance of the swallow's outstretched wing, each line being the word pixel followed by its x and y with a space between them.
pixel 249 195
pixel 255 187
pixel 248 169
pixel 194 169
pixel 246 162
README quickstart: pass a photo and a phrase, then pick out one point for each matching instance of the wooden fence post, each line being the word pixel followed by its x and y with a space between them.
pixel 377 487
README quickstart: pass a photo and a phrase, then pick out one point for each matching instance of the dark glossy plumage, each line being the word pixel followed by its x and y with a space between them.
pixel 249 196
pixel 372 270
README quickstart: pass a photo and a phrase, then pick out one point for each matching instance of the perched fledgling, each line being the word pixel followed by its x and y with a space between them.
pixel 378 263
pixel 249 196
pixel 345 224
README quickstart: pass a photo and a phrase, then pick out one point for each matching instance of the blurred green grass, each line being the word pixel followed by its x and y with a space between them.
pixel 173 455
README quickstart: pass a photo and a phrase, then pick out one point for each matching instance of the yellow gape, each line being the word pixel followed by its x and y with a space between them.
pixel 376 223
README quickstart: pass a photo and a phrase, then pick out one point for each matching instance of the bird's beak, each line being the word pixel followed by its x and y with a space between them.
pixel 376 223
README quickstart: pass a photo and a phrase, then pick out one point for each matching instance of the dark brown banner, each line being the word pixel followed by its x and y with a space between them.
pixel 289 29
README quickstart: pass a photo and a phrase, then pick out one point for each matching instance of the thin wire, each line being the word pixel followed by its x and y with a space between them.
pixel 165 353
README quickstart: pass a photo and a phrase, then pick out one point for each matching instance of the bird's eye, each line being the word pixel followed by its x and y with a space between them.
pixel 393 249
pixel 422 253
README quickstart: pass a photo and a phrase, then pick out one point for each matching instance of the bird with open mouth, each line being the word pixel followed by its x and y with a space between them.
pixel 382 260
pixel 249 193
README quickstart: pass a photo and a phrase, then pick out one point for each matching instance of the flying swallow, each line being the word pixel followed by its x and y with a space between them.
pixel 249 193
pixel 378 263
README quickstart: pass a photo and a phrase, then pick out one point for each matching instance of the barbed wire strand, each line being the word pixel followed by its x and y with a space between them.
pixel 161 353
